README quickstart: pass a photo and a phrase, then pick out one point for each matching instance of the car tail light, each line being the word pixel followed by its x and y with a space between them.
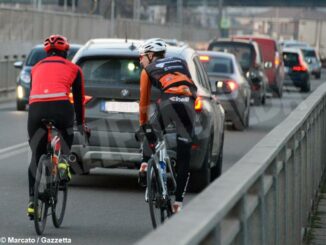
pixel 204 58
pixel 301 67
pixel 194 146
pixel 199 104
pixel 227 86
pixel 277 60
pixel 87 98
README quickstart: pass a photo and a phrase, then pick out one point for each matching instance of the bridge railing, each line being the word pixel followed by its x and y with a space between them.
pixel 8 74
pixel 266 197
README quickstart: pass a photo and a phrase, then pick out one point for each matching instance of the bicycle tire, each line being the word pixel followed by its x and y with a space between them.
pixel 58 212
pixel 159 209
pixel 41 195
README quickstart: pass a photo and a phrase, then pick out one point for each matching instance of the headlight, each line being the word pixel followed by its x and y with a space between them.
pixel 25 77
pixel 20 92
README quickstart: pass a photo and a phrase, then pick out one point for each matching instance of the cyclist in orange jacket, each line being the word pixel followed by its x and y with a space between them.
pixel 175 105
pixel 52 79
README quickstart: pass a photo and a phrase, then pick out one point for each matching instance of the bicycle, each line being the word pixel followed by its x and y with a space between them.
pixel 159 190
pixel 50 190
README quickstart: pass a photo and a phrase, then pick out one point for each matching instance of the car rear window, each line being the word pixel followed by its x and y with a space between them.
pixel 218 65
pixel 38 54
pixel 290 59
pixel 111 71
pixel 242 52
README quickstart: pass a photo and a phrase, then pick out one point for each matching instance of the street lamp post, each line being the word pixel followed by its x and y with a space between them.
pixel 112 18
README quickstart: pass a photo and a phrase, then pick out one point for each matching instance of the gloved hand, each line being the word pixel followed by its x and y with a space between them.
pixel 140 133
pixel 146 130
pixel 82 128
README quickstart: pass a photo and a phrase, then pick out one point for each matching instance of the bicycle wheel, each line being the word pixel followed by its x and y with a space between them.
pixel 41 194
pixel 159 208
pixel 60 191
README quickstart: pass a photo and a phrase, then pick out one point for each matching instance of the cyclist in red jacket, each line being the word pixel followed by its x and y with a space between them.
pixel 52 79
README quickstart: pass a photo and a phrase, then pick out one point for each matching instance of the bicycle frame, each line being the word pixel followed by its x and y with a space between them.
pixel 162 155
pixel 54 147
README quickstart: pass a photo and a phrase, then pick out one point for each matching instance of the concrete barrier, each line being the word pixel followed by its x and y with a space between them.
pixel 266 197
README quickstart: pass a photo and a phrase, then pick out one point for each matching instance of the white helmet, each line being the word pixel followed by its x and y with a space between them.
pixel 152 45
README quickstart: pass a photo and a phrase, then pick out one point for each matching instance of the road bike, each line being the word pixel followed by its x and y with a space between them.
pixel 161 181
pixel 51 186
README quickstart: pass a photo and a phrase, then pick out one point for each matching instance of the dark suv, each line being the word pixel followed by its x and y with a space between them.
pixel 249 56
pixel 296 69
pixel 24 77
pixel 111 69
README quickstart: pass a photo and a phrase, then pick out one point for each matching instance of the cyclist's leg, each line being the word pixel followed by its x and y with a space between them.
pixel 182 114
pixel 37 141
pixel 63 114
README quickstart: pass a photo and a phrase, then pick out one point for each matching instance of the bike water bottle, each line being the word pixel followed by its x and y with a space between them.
pixel 163 169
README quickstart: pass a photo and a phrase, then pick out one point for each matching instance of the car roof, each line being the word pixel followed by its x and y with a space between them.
pixel 119 47
pixel 232 40
pixel 72 45
pixel 292 50
pixel 254 37
pixel 216 54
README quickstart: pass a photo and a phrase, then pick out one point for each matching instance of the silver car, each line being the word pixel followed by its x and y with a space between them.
pixel 311 57
pixel 228 82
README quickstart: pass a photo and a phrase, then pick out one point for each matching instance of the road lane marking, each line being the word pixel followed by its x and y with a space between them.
pixel 14 153
pixel 13 148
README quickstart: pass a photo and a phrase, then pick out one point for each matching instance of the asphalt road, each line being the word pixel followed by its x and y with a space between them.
pixel 106 207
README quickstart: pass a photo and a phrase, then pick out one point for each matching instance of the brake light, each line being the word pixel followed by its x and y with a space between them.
pixel 204 58
pixel 299 68
pixel 199 104
pixel 231 85
pixel 87 98
pixel 227 86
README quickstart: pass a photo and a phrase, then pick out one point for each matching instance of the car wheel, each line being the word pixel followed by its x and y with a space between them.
pixel 20 105
pixel 257 100
pixel 318 75
pixel 216 171
pixel 200 179
pixel 306 87
pixel 247 118
pixel 263 99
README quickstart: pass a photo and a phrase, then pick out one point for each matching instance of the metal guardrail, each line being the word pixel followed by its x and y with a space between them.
pixel 266 197
pixel 8 74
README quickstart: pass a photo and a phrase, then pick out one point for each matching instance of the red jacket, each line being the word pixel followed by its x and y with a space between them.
pixel 53 78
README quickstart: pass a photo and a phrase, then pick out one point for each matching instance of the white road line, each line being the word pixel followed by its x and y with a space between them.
pixel 14 153
pixel 13 148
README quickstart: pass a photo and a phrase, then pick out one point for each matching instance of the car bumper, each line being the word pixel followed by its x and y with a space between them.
pixel 99 154
pixel 228 105
pixel 296 79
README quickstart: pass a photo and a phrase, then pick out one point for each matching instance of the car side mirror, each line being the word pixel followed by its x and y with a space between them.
pixel 268 65
pixel 18 64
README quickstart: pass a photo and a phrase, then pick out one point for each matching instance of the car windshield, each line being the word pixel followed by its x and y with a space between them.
pixel 38 54
pixel 113 70
pixel 218 65
pixel 242 52
pixel 290 59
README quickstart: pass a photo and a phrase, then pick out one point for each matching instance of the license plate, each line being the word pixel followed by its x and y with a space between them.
pixel 112 106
